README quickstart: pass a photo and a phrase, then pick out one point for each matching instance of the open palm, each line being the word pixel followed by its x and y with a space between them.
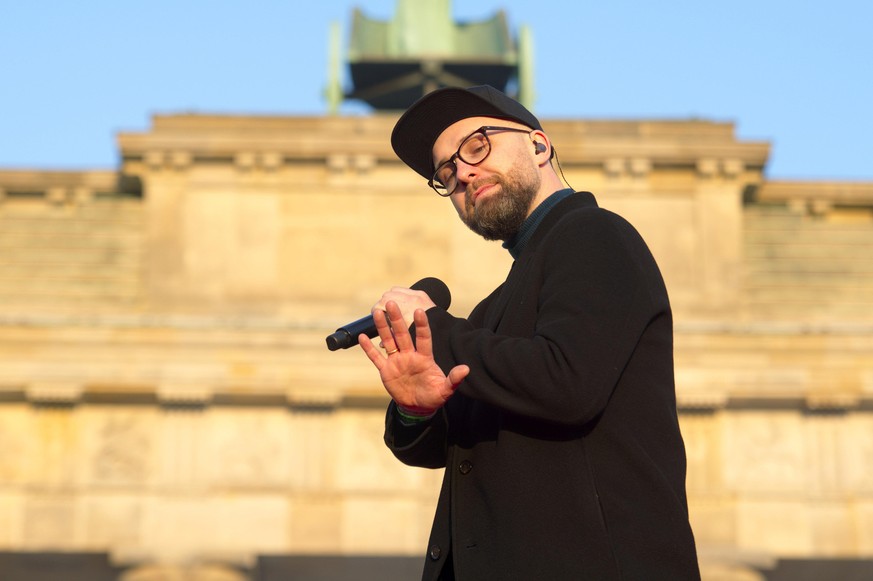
pixel 408 371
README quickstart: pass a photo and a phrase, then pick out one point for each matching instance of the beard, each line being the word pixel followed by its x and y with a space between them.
pixel 500 215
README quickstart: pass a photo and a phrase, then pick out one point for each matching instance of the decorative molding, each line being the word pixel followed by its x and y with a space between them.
pixel 639 167
pixel 83 195
pixel 701 402
pixel 315 399
pixel 832 402
pixel 727 168
pixel 258 160
pixel 838 193
pixel 181 159
pixel 184 395
pixel 154 159
pixel 244 160
pixel 621 167
pixel 363 163
pixel 337 162
pixel 57 195
pixel 54 393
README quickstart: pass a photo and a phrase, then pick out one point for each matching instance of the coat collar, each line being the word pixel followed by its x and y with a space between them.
pixel 567 201
pixel 520 268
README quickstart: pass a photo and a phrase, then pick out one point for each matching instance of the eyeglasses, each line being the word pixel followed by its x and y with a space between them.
pixel 473 151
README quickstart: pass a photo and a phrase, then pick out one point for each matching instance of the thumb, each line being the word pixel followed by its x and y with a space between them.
pixel 457 375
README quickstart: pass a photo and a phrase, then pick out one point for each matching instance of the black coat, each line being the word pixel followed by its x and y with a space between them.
pixel 562 447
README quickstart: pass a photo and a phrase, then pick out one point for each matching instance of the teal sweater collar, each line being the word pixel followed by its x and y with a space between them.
pixel 517 243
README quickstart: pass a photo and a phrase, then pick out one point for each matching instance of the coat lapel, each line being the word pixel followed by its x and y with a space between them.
pixel 510 289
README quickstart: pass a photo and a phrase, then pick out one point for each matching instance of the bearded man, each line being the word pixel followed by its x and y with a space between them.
pixel 552 406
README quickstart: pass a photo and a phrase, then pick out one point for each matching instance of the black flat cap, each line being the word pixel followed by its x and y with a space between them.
pixel 420 126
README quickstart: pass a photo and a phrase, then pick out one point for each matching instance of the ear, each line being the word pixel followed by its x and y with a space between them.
pixel 541 142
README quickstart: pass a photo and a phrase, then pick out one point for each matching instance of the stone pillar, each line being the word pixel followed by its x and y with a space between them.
pixel 164 189
pixel 720 233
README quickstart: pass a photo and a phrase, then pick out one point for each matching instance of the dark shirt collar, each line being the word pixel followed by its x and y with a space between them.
pixel 516 244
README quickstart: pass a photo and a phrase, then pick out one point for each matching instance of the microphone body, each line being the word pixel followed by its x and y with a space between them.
pixel 347 335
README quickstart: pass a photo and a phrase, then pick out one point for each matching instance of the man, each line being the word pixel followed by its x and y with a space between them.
pixel 552 407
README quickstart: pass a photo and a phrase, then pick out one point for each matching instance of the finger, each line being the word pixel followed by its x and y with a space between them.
pixel 423 336
pixel 457 375
pixel 386 336
pixel 402 340
pixel 373 354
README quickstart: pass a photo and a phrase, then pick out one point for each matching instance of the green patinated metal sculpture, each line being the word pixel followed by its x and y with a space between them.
pixel 393 63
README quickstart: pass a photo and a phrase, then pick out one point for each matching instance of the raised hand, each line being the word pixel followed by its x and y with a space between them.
pixel 408 371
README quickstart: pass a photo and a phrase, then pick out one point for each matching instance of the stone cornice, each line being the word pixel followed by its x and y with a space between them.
pixel 284 363
pixel 664 142
pixel 835 193
pixel 13 180
pixel 294 139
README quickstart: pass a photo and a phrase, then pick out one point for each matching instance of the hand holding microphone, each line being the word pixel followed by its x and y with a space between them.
pixel 347 335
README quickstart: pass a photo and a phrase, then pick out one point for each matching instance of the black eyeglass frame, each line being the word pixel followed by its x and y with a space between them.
pixel 457 155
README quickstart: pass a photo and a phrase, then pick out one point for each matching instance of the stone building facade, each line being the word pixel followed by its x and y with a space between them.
pixel 169 410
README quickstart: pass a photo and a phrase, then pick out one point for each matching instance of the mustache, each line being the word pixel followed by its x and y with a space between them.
pixel 476 184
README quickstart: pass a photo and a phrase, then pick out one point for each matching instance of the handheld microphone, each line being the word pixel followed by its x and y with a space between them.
pixel 347 336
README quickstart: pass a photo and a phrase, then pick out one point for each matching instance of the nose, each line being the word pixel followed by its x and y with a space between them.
pixel 464 172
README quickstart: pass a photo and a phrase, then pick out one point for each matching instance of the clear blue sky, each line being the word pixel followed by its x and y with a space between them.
pixel 796 74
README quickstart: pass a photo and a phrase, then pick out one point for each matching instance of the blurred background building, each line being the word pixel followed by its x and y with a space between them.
pixel 169 410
